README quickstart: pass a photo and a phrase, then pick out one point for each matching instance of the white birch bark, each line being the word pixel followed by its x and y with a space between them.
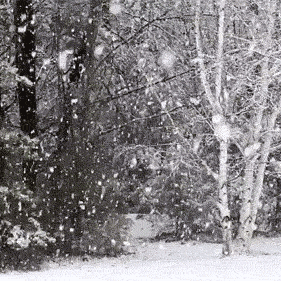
pixel 203 71
pixel 219 122
pixel 220 62
pixel 262 166
pixel 223 199
pixel 244 232
pixel 253 183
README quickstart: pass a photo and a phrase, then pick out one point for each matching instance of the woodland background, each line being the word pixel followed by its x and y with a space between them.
pixel 116 107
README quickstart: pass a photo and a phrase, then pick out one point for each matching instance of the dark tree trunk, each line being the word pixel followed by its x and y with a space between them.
pixel 71 217
pixel 25 63
pixel 2 145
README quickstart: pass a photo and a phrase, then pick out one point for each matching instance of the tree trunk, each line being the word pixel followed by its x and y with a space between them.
pixel 221 127
pixel 25 62
pixel 265 150
pixel 253 187
pixel 245 231
pixel 2 144
pixel 223 201
pixel 254 183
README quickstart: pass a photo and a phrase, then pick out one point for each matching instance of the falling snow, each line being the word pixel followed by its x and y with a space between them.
pixel 22 29
pixel 115 8
pixel 127 125
pixel 98 51
pixel 167 59
pixel 63 59
pixel 192 261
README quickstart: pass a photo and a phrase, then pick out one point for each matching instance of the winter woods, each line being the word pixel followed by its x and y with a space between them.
pixel 114 107
pixel 257 46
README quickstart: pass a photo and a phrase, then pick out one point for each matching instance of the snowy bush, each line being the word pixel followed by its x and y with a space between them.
pixel 105 238
pixel 23 242
pixel 21 239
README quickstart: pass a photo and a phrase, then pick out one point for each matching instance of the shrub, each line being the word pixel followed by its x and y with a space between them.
pixel 23 242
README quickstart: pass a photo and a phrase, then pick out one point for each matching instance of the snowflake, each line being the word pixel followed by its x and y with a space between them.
pixel 98 51
pixel 115 8
pixel 22 29
pixel 167 59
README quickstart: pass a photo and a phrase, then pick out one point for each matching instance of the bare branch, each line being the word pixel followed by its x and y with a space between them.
pixel 203 72
pixel 209 170
pixel 219 60
pixel 141 29
pixel 114 128
pixel 136 90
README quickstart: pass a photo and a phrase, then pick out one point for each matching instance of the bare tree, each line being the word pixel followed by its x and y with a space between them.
pixel 244 101
pixel 221 128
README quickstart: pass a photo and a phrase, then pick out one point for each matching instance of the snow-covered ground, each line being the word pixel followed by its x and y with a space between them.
pixel 169 261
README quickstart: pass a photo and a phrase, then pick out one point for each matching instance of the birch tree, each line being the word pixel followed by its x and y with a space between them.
pixel 243 99
pixel 221 127
pixel 262 123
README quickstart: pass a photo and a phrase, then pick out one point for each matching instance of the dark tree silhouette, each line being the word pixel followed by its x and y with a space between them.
pixel 25 62
pixel 2 151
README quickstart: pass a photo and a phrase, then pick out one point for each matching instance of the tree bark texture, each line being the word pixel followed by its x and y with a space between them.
pixel 25 62
pixel 223 201
pixel 220 126
pixel 263 128
pixel 2 144
pixel 244 231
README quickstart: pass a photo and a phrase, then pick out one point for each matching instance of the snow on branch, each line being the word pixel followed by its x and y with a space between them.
pixel 219 61
pixel 136 90
pixel 200 60
pixel 24 80
pixel 209 170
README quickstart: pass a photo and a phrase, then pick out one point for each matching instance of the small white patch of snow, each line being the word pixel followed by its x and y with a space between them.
pixel 63 59
pixel 25 80
pixel 195 101
pixel 115 8
pixel 223 132
pixel 74 101
pixel 133 162
pixel 98 51
pixel 217 119
pixel 141 63
pixel 23 17
pixel 251 149
pixel 167 59
pixel 22 29
pixel 148 189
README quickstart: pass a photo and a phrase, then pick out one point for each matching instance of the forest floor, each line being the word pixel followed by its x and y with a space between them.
pixel 168 261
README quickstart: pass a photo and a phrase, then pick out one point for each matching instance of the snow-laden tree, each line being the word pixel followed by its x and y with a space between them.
pixel 76 175
pixel 221 128
pixel 240 77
